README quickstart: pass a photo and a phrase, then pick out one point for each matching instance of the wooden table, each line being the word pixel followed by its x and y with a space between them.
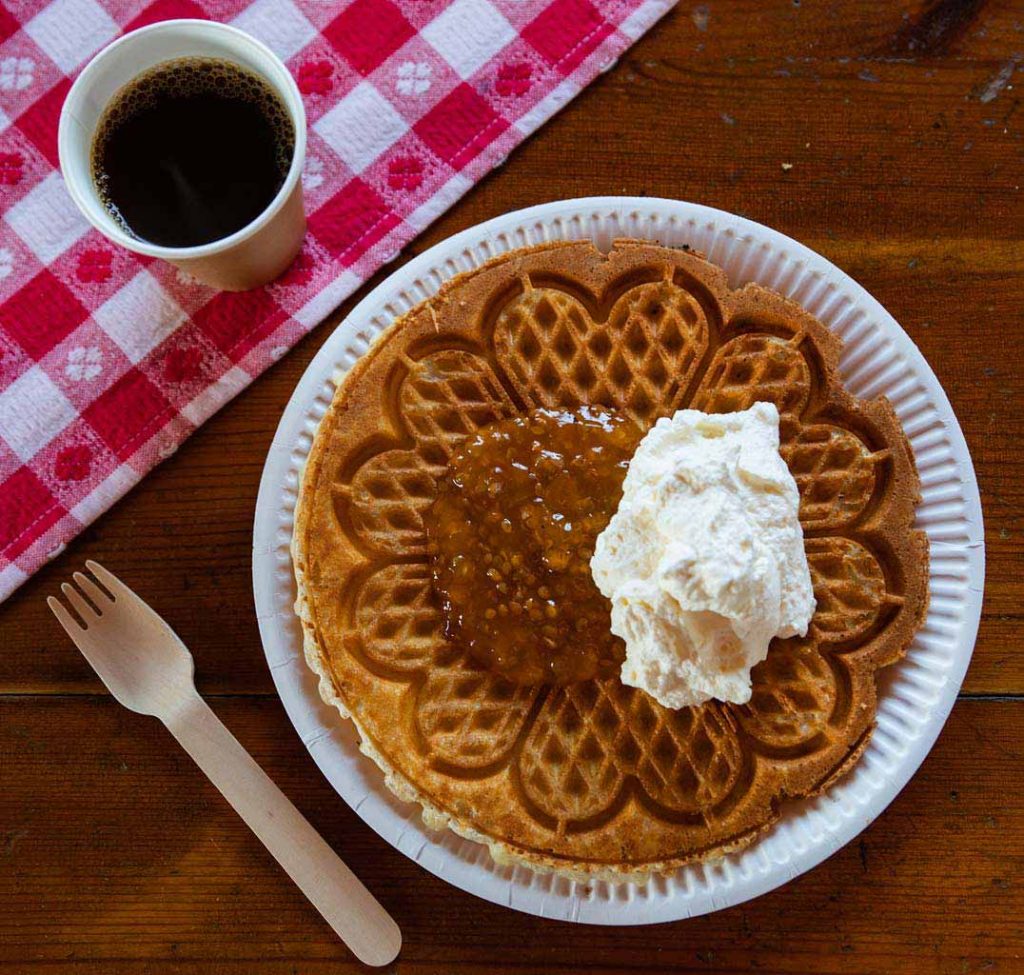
pixel 887 136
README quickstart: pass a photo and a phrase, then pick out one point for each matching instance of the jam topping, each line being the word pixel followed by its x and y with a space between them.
pixel 512 532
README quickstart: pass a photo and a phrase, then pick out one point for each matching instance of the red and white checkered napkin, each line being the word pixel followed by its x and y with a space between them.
pixel 108 360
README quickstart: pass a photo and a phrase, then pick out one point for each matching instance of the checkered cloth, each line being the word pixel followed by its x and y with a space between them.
pixel 109 360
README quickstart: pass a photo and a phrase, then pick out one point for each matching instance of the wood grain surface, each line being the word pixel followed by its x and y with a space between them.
pixel 885 135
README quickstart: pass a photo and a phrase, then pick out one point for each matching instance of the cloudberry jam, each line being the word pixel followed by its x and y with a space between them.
pixel 512 531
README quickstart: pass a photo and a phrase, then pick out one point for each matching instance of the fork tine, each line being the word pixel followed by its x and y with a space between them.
pixel 98 596
pixel 79 602
pixel 71 626
pixel 105 576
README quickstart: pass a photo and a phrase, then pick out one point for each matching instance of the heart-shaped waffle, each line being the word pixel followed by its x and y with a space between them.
pixel 594 777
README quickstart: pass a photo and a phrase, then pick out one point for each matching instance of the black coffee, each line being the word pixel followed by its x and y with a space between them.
pixel 191 151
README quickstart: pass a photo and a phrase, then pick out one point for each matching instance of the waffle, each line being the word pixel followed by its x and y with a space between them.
pixel 595 778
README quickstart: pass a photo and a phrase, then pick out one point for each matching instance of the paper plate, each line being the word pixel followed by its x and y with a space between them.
pixel 915 696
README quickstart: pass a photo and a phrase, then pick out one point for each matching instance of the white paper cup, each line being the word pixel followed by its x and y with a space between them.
pixel 248 258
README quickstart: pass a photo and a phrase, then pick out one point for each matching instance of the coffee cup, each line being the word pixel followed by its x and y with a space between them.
pixel 247 258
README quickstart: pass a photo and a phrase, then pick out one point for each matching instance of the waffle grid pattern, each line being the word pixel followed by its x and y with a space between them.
pixel 578 753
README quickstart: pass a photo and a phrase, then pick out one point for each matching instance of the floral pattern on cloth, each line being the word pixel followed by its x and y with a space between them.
pixel 109 360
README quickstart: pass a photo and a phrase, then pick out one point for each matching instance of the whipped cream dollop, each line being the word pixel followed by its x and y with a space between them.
pixel 704 559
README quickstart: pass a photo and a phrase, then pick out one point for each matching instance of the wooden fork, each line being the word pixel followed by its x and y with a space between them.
pixel 148 669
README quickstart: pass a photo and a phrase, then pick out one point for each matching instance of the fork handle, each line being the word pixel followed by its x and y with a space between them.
pixel 350 909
